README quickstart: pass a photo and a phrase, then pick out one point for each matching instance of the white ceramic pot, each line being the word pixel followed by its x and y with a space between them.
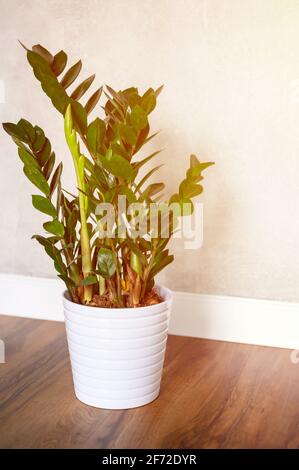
pixel 117 354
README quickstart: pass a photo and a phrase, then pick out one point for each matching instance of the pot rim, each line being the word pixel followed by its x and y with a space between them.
pixel 80 308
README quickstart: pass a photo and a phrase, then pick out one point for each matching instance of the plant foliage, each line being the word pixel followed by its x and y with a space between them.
pixel 120 268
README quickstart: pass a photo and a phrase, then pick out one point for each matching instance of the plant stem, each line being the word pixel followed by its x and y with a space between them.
pixel 118 280
pixel 102 285
pixel 147 272
pixel 78 160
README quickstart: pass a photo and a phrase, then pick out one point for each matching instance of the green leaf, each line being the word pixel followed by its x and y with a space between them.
pixel 28 159
pixel 127 134
pixel 71 75
pixel 43 52
pixel 142 138
pixel 59 63
pixel 44 154
pixel 194 162
pixel 55 227
pixel 27 129
pixel 196 168
pixel 138 165
pixel 131 96
pixel 106 263
pixel 189 189
pixel 48 80
pixel 158 91
pixel 53 252
pixel 43 204
pixel 67 280
pixel 39 140
pixel 138 118
pixel 47 170
pixel 56 178
pixel 15 132
pixel 42 240
pixel 82 88
pixel 146 177
pixel 37 178
pixel 79 116
pixel 95 135
pixel 161 265
pixel 159 257
pixel 93 100
pixel 153 189
pixel 117 165
pixel 148 101
pixel 89 280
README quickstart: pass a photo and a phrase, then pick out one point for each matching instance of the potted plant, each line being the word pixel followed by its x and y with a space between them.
pixel 116 318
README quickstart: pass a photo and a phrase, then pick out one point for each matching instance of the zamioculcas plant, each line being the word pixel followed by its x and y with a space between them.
pixel 109 240
pixel 98 270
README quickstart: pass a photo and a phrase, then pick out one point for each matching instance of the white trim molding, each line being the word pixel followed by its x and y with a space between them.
pixel 235 319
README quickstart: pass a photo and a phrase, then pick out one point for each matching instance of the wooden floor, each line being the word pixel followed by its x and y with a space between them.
pixel 214 395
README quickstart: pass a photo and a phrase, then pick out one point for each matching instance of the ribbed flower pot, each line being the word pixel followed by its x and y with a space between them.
pixel 117 354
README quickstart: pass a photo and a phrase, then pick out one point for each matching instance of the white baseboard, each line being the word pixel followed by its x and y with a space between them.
pixel 241 320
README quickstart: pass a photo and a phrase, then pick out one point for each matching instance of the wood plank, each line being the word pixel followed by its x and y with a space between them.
pixel 214 395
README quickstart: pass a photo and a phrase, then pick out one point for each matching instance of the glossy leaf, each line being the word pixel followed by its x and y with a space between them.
pixel 117 165
pixel 59 63
pixel 39 139
pixel 89 280
pixel 37 178
pixel 14 131
pixel 53 252
pixel 146 177
pixel 43 204
pixel 43 52
pixel 28 159
pixel 49 165
pixel 71 75
pixel 138 118
pixel 165 261
pixel 27 129
pixel 79 116
pixel 158 90
pixel 153 189
pixel 56 178
pixel 127 134
pixel 48 80
pixel 93 100
pixel 67 280
pixel 138 165
pixel 45 153
pixel 82 88
pixel 148 101
pixel 188 189
pixel 95 135
pixel 55 227
pixel 106 263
